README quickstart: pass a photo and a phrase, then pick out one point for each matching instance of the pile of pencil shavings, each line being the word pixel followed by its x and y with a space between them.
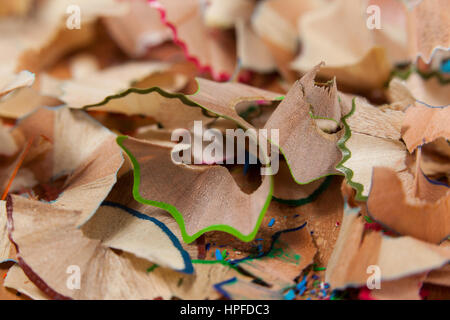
pixel 245 149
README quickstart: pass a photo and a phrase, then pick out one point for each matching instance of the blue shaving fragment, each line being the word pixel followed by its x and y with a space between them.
pixel 297 215
pixel 219 287
pixel 218 255
pixel 302 291
pixel 302 283
pixel 271 222
pixel 290 295
pixel 445 66
pixel 188 268
pixel 301 286
pixel 208 245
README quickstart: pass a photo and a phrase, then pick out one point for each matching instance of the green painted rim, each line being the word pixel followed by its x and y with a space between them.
pixel 178 216
pixel 346 154
pixel 405 74
pixel 182 97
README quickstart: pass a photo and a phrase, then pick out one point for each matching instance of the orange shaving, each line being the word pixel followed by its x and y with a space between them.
pixel 16 169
